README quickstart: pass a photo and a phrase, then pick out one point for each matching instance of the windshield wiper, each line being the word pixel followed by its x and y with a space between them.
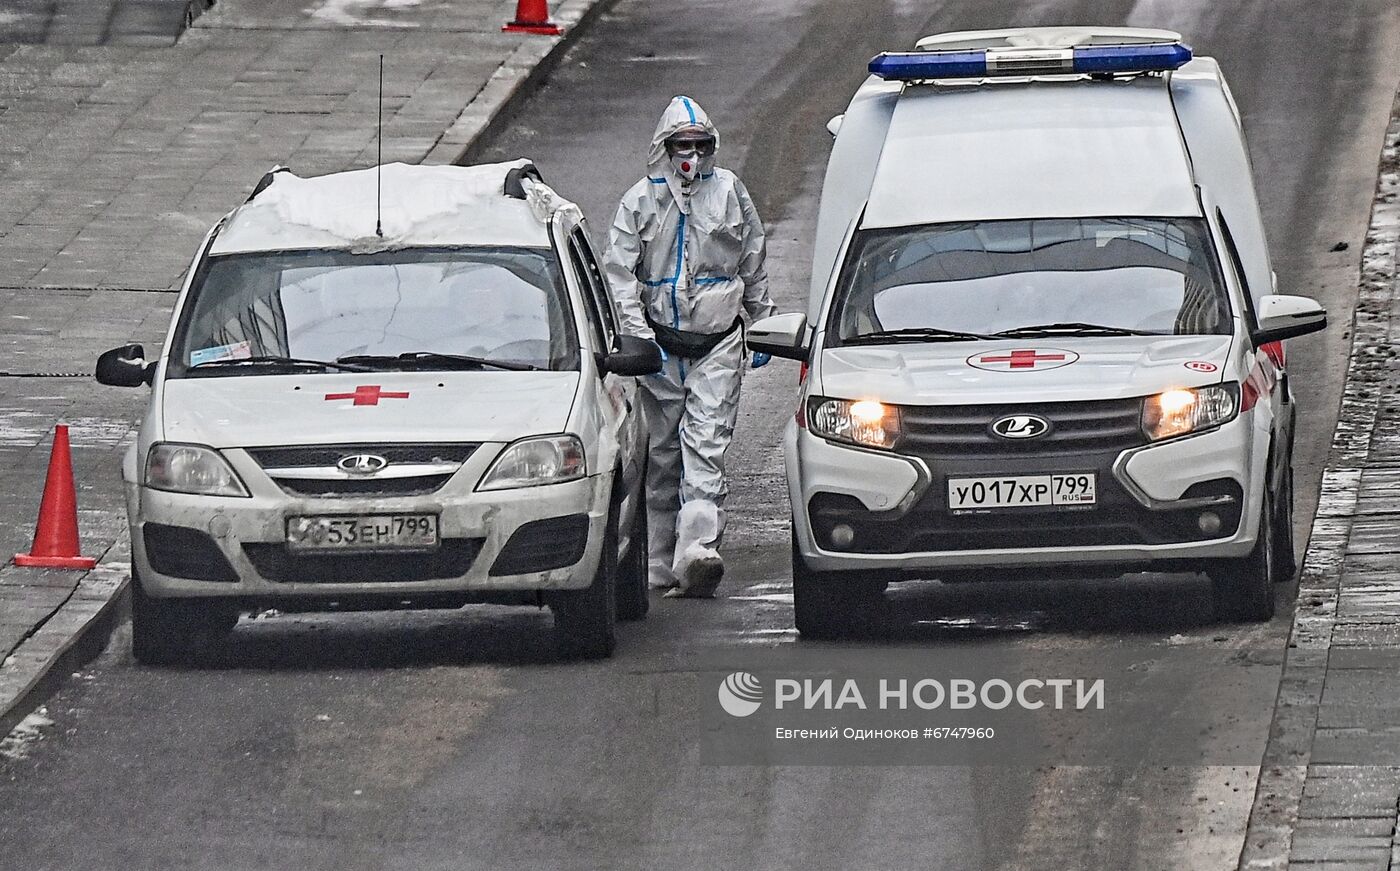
pixel 913 334
pixel 281 362
pixel 1069 328
pixel 431 359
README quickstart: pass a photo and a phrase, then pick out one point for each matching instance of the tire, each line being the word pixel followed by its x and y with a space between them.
pixel 830 605
pixel 1285 558
pixel 632 599
pixel 585 620
pixel 1244 588
pixel 171 631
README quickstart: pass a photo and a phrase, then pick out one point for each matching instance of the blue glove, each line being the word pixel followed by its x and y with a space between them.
pixel 761 359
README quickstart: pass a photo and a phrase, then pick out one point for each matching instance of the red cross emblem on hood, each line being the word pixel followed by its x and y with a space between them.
pixel 1022 359
pixel 368 394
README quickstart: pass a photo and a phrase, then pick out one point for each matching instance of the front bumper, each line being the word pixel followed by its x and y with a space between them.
pixel 185 545
pixel 1150 501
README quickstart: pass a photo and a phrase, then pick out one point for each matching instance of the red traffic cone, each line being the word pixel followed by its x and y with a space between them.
pixel 56 537
pixel 532 16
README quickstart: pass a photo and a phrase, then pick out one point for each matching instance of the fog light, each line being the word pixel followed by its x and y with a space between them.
pixel 1209 522
pixel 842 536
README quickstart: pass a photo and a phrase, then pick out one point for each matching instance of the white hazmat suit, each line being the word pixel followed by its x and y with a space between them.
pixel 689 256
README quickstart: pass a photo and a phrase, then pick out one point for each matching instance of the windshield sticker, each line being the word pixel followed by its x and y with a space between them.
pixel 236 351
pixel 1201 366
pixel 1022 360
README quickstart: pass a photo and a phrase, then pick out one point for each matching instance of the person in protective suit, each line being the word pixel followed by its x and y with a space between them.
pixel 685 261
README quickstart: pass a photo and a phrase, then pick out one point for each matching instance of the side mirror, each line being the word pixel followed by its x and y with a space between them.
pixel 1283 317
pixel 634 356
pixel 834 125
pixel 125 367
pixel 781 336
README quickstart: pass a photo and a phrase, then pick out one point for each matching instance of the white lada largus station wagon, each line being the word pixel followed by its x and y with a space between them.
pixel 423 402
pixel 1043 329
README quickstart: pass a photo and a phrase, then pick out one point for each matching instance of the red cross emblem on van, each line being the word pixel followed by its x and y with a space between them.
pixel 1022 360
pixel 368 394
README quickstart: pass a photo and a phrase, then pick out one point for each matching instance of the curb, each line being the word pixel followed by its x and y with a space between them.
pixel 1283 772
pixel 75 634
pixel 495 105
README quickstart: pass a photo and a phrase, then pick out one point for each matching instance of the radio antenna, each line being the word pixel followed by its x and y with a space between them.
pixel 379 163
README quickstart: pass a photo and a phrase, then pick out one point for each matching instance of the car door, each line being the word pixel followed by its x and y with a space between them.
pixel 621 391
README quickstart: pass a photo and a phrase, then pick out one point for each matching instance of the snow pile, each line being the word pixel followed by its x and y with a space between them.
pixel 15 745
pixel 420 205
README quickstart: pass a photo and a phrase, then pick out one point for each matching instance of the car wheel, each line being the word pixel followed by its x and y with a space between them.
pixel 834 604
pixel 1244 588
pixel 1285 559
pixel 632 599
pixel 170 631
pixel 584 620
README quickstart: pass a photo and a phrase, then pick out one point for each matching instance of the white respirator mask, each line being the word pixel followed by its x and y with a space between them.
pixel 691 157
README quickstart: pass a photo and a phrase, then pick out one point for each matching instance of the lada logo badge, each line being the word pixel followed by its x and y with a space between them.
pixel 1020 426
pixel 362 464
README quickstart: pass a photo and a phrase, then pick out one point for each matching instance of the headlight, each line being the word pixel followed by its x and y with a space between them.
pixel 191 469
pixel 532 462
pixel 1181 411
pixel 860 422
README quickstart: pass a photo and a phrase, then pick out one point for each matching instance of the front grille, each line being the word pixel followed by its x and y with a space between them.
pixel 541 545
pixel 940 431
pixel 352 487
pixel 185 553
pixel 452 559
pixel 302 456
pixel 439 462
pixel 1117 519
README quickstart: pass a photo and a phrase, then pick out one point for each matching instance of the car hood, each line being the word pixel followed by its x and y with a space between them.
pixel 1059 369
pixel 247 411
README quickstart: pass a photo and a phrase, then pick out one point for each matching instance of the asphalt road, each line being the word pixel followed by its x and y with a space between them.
pixel 452 740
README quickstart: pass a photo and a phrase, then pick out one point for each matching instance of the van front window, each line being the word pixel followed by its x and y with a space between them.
pixel 1106 276
pixel 504 306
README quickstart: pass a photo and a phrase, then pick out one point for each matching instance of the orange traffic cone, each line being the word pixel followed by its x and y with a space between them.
pixel 532 16
pixel 56 537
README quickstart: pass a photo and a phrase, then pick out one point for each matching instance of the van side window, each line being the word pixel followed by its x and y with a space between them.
pixel 600 301
pixel 601 339
pixel 1233 252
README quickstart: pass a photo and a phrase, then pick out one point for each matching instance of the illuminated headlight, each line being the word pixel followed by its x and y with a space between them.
pixel 191 469
pixel 861 422
pixel 1181 411
pixel 532 462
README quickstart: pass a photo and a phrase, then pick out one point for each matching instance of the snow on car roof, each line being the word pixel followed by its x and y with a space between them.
pixel 421 206
pixel 1041 148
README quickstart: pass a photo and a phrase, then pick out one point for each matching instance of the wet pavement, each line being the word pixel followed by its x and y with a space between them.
pixel 453 740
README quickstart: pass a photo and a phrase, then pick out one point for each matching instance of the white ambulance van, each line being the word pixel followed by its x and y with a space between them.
pixel 1044 336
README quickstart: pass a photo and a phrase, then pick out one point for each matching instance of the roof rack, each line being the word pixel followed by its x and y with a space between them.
pixel 513 186
pixel 266 181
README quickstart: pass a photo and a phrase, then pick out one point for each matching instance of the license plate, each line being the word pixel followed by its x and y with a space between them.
pixel 363 532
pixel 1022 491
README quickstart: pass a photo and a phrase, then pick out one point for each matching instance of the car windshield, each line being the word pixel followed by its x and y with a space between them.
pixel 422 308
pixel 1086 276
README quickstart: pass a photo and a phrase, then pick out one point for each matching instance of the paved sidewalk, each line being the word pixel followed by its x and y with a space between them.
pixel 97 22
pixel 114 162
pixel 1329 786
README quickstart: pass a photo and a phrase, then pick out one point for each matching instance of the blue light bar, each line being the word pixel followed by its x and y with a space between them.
pixel 981 63
pixel 1153 58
